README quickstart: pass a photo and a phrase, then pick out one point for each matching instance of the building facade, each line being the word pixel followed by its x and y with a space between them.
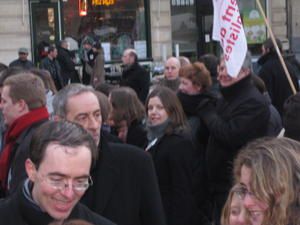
pixel 157 29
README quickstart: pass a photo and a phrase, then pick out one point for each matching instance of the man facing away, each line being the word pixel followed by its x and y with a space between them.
pixel 23 106
pixel 22 61
pixel 67 64
pixel 55 182
pixel 125 186
pixel 273 75
pixel 134 75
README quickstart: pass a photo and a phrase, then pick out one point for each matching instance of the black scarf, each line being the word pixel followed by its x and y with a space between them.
pixel 190 102
pixel 234 90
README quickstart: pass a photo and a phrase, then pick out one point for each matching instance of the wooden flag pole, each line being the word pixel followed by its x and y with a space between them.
pixel 276 47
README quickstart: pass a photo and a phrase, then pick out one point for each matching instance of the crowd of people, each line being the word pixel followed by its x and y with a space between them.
pixel 193 146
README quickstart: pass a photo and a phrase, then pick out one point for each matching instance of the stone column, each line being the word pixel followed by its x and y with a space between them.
pixel 161 29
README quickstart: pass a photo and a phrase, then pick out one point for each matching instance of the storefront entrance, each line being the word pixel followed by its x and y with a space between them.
pixel 192 28
pixel 46 26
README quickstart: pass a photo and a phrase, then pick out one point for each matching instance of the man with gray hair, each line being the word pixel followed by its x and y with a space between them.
pixel 134 75
pixel 66 61
pixel 239 116
pixel 125 186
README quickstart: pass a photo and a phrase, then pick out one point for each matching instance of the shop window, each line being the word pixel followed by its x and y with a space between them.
pixel 184 28
pixel 118 24
pixel 254 25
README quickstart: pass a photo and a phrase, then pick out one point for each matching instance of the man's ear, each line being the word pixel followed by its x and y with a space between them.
pixel 243 73
pixel 30 170
pixel 22 106
pixel 247 71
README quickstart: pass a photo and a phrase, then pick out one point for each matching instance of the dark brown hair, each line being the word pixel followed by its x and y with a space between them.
pixel 172 106
pixel 63 133
pixel 126 105
pixel 104 105
pixel 46 78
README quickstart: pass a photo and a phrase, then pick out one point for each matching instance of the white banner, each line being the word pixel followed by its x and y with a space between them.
pixel 228 30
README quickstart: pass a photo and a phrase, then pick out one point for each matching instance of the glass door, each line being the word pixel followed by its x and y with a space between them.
pixel 45 25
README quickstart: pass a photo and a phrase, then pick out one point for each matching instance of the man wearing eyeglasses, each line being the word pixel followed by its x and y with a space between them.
pixel 125 186
pixel 55 180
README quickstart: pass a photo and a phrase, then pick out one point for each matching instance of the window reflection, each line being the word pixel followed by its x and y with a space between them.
pixel 119 24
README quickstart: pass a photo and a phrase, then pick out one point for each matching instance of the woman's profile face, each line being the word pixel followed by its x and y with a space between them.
pixel 186 86
pixel 156 111
pixel 255 207
pixel 238 215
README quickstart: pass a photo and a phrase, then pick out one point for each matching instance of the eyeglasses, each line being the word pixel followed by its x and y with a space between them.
pixel 80 185
pixel 242 192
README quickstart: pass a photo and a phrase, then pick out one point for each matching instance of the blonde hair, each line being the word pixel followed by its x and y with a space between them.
pixel 227 206
pixel 275 172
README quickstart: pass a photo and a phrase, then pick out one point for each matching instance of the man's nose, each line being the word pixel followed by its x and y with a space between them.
pixel 94 123
pixel 68 191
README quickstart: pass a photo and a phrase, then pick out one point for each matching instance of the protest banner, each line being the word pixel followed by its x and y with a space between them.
pixel 228 30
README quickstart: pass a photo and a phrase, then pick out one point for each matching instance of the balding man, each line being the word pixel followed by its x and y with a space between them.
pixel 170 78
pixel 134 75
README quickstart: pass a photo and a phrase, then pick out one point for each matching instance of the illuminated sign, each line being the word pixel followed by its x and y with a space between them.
pixel 103 2
pixel 82 7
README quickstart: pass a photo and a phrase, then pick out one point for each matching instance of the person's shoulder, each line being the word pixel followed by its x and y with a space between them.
pixel 86 214
pixel 29 62
pixel 127 151
pixel 28 132
pixel 44 60
pixel 174 141
pixel 14 62
pixel 6 205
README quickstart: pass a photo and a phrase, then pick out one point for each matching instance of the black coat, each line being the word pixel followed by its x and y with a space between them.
pixel 19 154
pixel 18 210
pixel 173 157
pixel 67 65
pixel 199 130
pixel 54 69
pixel 125 187
pixel 27 65
pixel 242 114
pixel 138 79
pixel 276 82
pixel 137 134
